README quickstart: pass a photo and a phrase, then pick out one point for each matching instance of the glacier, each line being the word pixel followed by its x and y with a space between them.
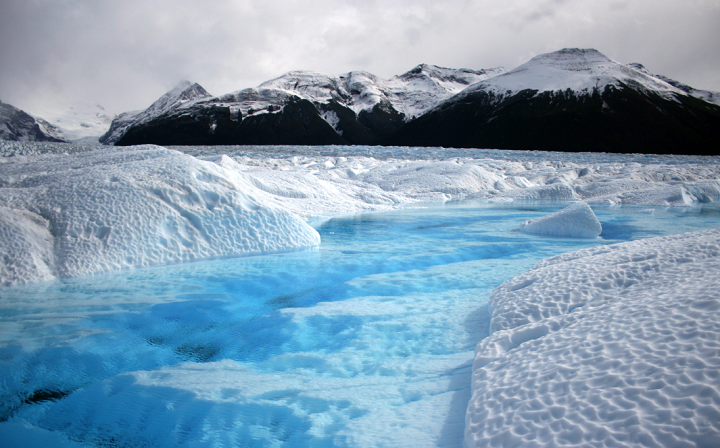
pixel 66 215
pixel 611 345
pixel 100 210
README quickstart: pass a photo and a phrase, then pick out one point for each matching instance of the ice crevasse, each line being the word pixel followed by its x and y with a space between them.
pixel 132 207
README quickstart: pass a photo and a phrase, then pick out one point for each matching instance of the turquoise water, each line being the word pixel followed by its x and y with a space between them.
pixel 365 341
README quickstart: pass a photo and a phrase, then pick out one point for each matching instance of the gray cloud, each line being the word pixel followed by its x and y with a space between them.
pixel 124 55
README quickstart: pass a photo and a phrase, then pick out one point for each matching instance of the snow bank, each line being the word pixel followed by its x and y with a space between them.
pixel 69 215
pixel 574 221
pixel 609 346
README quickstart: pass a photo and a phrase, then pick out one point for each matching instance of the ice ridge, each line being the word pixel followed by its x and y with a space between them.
pixel 143 206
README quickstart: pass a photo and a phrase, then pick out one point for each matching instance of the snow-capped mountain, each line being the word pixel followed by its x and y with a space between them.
pixel 705 95
pixel 571 100
pixel 18 125
pixel 568 100
pixel 79 121
pixel 410 94
pixel 357 106
pixel 180 96
pixel 580 70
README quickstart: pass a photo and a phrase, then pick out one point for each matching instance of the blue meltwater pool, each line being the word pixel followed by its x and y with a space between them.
pixel 366 341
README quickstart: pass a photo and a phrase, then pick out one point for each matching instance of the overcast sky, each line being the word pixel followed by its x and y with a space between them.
pixel 125 54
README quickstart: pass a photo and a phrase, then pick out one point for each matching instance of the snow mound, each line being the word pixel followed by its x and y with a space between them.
pixel 69 215
pixel 575 221
pixel 609 346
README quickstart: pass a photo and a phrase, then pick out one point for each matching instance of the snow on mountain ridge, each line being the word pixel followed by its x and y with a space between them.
pixel 381 106
pixel 18 125
pixel 181 95
pixel 79 120
pixel 705 95
pixel 580 70
pixel 410 93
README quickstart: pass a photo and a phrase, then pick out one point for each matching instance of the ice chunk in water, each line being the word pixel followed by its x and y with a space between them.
pixel 575 221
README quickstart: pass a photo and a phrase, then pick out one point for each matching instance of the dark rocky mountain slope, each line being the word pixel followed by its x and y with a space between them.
pixel 18 125
pixel 568 100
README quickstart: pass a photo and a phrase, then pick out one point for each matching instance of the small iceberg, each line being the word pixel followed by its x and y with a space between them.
pixel 575 221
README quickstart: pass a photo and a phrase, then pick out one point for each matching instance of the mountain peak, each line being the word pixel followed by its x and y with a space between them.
pixel 586 53
pixel 184 93
pixel 576 69
pixel 18 125
pixel 572 59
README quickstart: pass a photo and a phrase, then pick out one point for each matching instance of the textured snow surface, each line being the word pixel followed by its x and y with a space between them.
pixel 580 70
pixel 68 215
pixel 26 245
pixel 609 346
pixel 111 209
pixel 322 186
pixel 574 221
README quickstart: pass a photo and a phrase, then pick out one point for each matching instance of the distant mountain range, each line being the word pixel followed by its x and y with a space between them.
pixel 573 100
pixel 568 100
pixel 300 107
pixel 75 123
pixel 20 126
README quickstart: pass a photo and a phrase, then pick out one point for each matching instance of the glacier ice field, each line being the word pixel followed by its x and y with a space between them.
pixel 365 341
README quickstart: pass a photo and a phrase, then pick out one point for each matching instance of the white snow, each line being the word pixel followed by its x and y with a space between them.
pixel 574 221
pixel 705 95
pixel 69 215
pixel 411 93
pixel 75 214
pixel 609 346
pixel 317 186
pixel 579 70
pixel 27 247
pixel 183 95
pixel 79 121
pixel 332 119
